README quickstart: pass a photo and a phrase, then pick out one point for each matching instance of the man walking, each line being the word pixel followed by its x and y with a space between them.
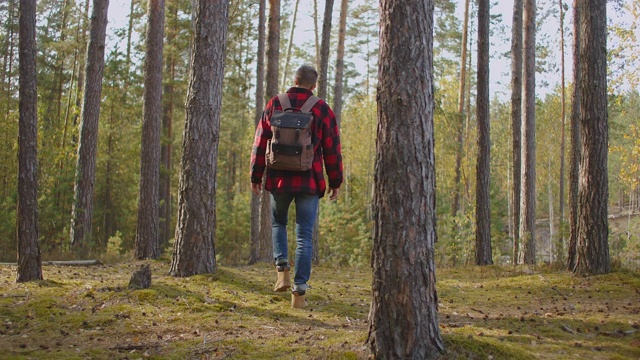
pixel 303 187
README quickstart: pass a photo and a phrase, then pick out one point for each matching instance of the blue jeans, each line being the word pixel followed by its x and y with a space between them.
pixel 306 211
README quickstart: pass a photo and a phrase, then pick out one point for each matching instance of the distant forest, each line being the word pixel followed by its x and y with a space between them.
pixel 349 83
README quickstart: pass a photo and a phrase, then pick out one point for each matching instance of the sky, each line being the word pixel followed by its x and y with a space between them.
pixel 119 10
pixel 499 65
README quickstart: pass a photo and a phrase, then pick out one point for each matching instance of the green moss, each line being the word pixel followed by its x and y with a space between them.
pixel 146 295
pixel 505 313
pixel 475 347
pixel 49 283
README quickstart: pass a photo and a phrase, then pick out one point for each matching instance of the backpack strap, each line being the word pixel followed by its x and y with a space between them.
pixel 284 101
pixel 309 104
pixel 306 107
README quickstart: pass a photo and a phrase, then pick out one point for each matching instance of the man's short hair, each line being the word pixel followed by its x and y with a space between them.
pixel 306 76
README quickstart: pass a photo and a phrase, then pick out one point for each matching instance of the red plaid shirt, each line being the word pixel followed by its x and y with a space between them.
pixel 328 148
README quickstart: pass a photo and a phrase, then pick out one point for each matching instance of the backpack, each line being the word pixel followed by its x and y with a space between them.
pixel 292 144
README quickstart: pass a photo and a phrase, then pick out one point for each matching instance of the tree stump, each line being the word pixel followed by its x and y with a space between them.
pixel 141 278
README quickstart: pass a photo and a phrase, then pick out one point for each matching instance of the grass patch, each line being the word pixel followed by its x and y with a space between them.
pixel 484 313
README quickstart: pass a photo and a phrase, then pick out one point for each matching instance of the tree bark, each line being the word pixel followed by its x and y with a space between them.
pixel 29 262
pixel 403 321
pixel 339 83
pixel 592 255
pixel 483 165
pixel 528 177
pixel 147 245
pixel 82 211
pixel 576 146
pixel 194 251
pixel 516 122
pixel 259 245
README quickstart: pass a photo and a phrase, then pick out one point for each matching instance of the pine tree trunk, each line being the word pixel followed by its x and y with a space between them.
pixel 60 63
pixel 127 57
pixel 561 244
pixel 82 211
pixel 342 33
pixel 257 242
pixel 194 251
pixel 316 32
pixel 576 146
pixel 273 57
pixel 592 255
pixel 29 262
pixel 285 72
pixel 403 321
pixel 147 245
pixel 166 160
pixel 528 177
pixel 7 68
pixel 82 63
pixel 552 230
pixel 324 50
pixel 322 93
pixel 516 122
pixel 8 43
pixel 461 101
pixel 483 167
pixel 108 219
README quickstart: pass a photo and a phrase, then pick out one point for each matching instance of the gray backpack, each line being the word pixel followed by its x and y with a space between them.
pixel 292 144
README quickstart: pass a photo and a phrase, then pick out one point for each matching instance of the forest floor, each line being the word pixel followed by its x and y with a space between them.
pixel 484 313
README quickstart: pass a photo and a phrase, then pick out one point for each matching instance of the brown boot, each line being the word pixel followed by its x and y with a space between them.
pixel 298 300
pixel 283 281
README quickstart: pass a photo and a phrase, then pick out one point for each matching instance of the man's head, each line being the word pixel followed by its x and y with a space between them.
pixel 306 77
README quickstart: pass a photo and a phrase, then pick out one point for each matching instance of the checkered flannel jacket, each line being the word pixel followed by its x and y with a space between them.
pixel 327 149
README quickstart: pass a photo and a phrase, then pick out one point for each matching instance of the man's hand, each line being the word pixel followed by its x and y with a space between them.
pixel 256 188
pixel 333 193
